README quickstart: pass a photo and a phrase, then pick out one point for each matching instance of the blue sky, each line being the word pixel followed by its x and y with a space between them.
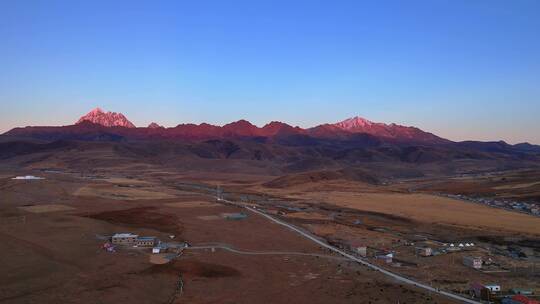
pixel 461 69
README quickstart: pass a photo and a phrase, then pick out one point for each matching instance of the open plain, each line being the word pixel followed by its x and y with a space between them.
pixel 53 230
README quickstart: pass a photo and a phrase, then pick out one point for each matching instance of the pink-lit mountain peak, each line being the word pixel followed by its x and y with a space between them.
pixel 362 125
pixel 107 119
pixel 354 123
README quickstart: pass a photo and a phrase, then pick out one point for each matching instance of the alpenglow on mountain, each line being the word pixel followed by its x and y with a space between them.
pixel 362 125
pixel 344 130
pixel 107 119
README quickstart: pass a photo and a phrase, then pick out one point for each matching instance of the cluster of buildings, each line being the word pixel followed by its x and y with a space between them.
pixel 361 250
pixel 489 292
pixel 526 207
pixel 134 240
pixel 130 239
pixel 426 251
pixel 492 292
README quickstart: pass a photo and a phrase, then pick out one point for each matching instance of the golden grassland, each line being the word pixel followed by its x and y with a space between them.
pixel 420 207
pixel 433 209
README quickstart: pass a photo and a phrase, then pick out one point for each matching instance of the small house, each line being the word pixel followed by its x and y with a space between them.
pixel 359 248
pixel 424 251
pixel 473 262
pixel 481 291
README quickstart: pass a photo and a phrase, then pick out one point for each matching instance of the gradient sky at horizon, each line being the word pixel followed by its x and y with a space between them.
pixel 462 69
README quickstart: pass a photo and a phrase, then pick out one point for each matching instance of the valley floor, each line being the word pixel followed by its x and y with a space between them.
pixel 52 233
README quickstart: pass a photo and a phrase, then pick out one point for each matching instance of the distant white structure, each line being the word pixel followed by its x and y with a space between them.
pixel 27 177
pixel 493 287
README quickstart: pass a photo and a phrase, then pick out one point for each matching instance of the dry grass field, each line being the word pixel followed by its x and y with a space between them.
pixel 46 208
pixel 513 185
pixel 431 209
pixel 516 186
pixel 120 193
pixel 308 216
pixel 209 217
pixel 191 204
pixel 125 181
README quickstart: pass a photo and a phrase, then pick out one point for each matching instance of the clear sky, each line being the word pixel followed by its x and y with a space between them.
pixel 466 69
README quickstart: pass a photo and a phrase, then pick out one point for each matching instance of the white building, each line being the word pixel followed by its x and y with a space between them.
pixel 27 177
pixel 493 287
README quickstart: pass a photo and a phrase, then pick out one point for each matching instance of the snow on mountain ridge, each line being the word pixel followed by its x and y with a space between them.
pixel 107 119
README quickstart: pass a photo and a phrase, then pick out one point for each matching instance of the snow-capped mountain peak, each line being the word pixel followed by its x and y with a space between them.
pixel 107 119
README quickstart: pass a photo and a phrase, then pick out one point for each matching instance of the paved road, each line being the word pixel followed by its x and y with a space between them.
pixel 355 259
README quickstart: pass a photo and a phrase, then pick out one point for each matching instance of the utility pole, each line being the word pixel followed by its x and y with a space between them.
pixel 219 193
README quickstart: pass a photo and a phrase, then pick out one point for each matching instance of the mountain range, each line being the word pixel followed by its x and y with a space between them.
pixel 357 144
pixel 111 124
